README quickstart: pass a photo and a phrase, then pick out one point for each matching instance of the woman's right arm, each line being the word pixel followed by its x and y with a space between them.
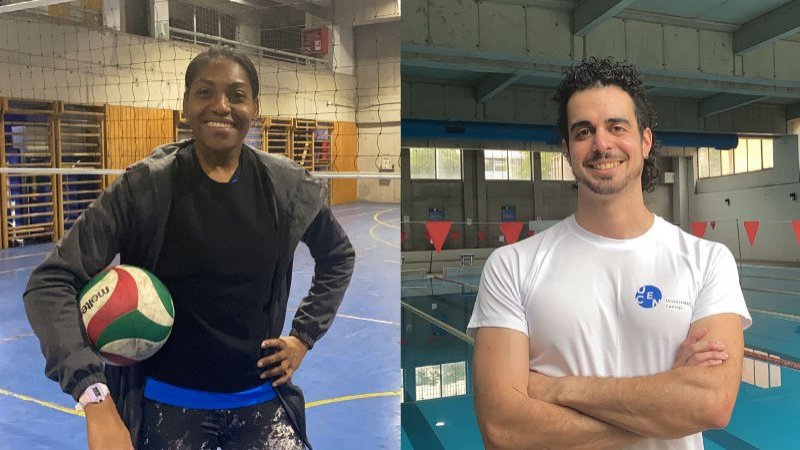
pixel 50 296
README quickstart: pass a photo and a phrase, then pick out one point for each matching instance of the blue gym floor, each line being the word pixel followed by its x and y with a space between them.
pixel 350 379
pixel 765 416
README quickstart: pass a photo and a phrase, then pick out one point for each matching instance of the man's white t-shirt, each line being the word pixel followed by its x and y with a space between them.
pixel 595 306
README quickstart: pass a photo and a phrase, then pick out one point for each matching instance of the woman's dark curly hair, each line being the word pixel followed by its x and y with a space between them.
pixel 594 72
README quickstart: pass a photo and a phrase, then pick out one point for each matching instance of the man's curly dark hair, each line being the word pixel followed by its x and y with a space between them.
pixel 595 72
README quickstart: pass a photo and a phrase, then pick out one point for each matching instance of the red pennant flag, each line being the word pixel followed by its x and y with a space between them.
pixel 713 225
pixel 403 236
pixel 699 229
pixel 481 235
pixel 531 233
pixel 456 235
pixel 751 226
pixel 796 227
pixel 511 231
pixel 438 231
pixel 427 235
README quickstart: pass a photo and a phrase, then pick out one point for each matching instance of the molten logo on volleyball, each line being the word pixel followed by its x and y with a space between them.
pixel 128 314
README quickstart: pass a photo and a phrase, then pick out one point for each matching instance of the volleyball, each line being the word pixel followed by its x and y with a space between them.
pixel 128 314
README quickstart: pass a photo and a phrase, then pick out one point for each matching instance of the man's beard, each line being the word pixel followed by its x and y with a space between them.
pixel 605 187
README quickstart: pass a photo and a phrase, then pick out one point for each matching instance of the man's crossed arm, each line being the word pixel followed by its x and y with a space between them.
pixel 508 418
pixel 668 405
pixel 518 409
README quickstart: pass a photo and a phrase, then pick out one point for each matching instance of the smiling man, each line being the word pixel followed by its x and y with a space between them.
pixel 614 328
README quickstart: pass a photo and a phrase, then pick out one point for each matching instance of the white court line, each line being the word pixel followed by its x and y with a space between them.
pixel 15 338
pixel 367 319
pixel 342 213
pixel 392 261
pixel 9 258
pixel 348 316
pixel 17 270
pixel 345 208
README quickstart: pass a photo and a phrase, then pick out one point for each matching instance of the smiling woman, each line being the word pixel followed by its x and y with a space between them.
pixel 220 102
pixel 218 222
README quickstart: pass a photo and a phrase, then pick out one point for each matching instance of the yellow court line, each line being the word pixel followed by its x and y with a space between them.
pixel 348 398
pixel 46 404
pixel 386 224
pixel 313 404
pixel 379 222
pixel 375 237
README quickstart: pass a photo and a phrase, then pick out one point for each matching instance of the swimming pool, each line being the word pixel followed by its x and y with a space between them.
pixel 436 312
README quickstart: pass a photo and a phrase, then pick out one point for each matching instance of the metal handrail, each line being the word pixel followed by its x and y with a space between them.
pixel 265 51
pixel 449 328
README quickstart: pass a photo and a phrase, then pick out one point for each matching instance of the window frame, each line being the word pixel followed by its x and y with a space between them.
pixel 457 386
pixel 566 171
pixel 507 164
pixel 436 175
pixel 705 154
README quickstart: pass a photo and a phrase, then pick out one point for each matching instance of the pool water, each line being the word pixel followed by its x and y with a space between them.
pixel 767 409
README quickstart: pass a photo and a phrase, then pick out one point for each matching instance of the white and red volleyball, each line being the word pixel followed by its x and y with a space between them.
pixel 128 314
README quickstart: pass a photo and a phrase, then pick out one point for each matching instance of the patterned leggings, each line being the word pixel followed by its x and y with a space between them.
pixel 258 427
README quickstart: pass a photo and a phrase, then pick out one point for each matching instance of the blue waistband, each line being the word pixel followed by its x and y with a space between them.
pixel 194 399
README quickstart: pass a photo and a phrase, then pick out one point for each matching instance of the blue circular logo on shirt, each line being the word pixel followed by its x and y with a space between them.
pixel 648 296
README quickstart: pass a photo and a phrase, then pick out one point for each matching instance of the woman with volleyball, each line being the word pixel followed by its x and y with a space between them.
pixel 218 223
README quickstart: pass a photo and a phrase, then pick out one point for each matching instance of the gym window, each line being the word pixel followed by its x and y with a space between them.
pixel 555 167
pixel 435 163
pixel 441 380
pixel 507 164
pixel 752 155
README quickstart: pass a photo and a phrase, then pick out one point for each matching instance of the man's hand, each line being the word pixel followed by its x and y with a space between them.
pixel 694 352
pixel 541 387
pixel 289 353
pixel 104 427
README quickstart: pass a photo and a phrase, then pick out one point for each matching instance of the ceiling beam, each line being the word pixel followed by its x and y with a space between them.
pixel 494 83
pixel 768 28
pixel 725 102
pixel 793 112
pixel 588 15
pixel 541 68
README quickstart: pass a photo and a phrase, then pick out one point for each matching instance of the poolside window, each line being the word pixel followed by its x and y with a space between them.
pixel 441 380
